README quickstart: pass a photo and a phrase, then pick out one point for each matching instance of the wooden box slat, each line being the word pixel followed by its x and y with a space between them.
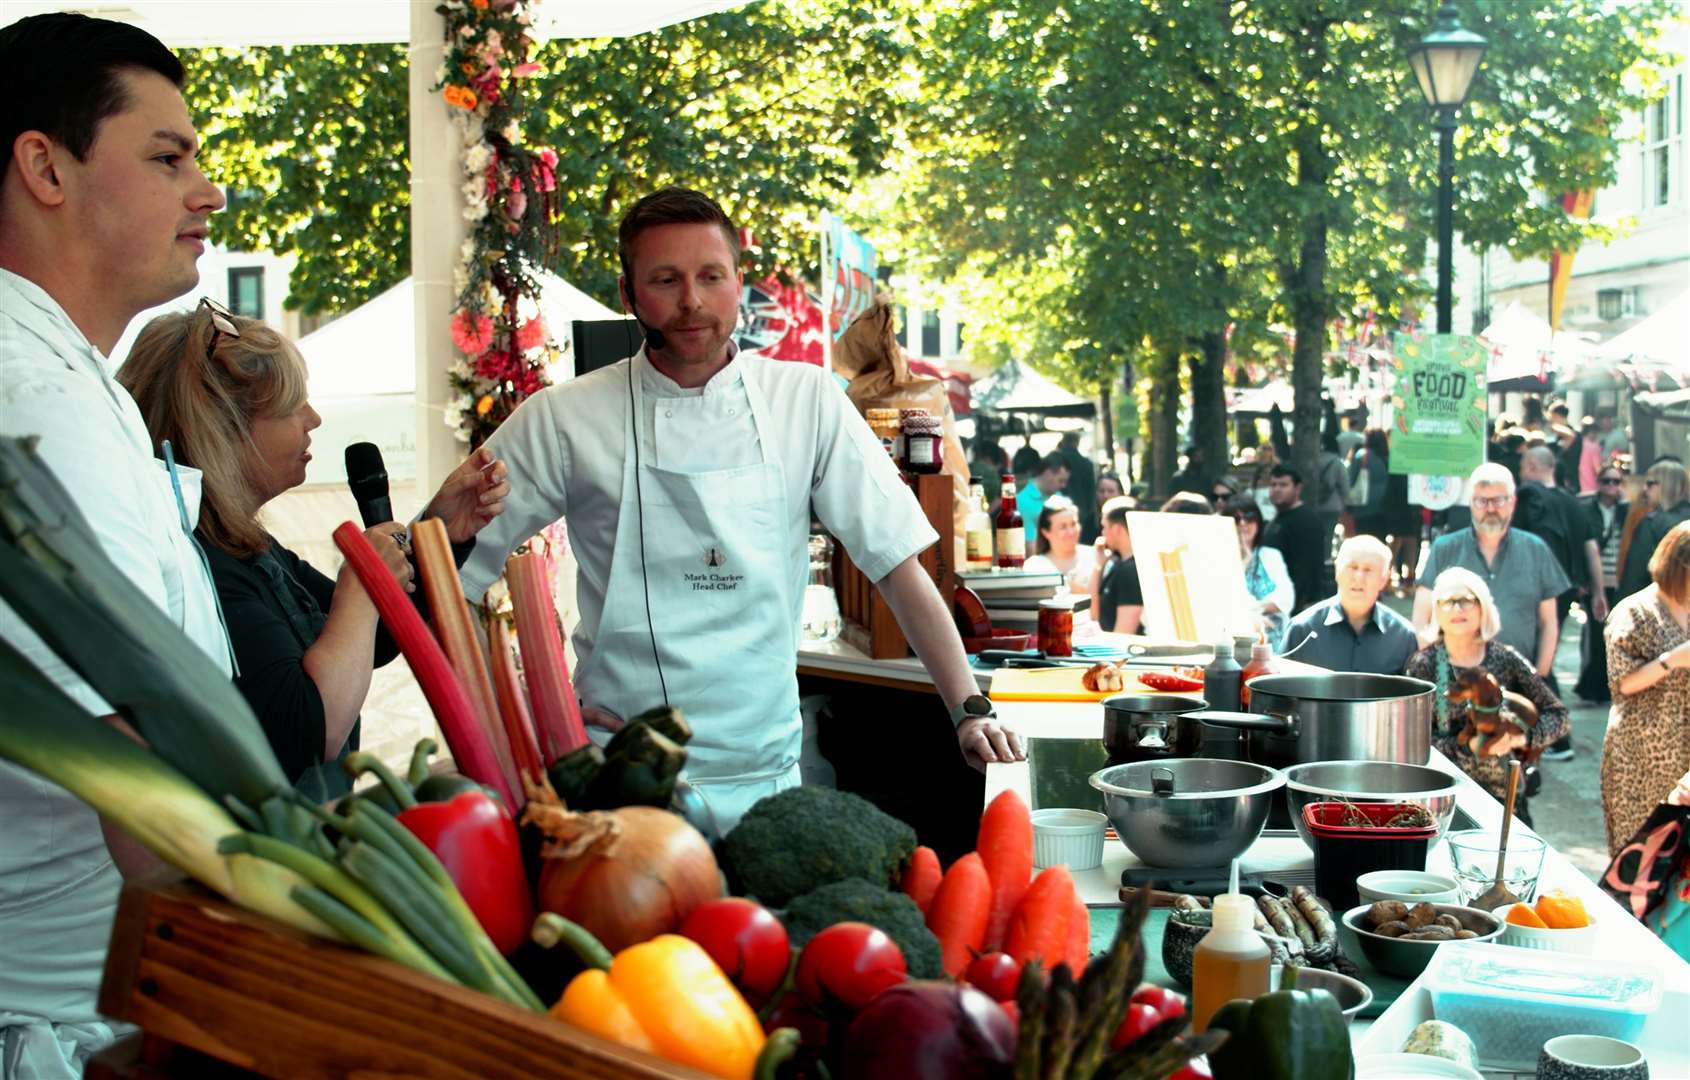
pixel 193 969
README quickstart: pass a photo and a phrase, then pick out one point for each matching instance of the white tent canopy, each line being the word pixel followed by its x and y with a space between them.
pixel 1659 344
pixel 1523 345
pixel 372 350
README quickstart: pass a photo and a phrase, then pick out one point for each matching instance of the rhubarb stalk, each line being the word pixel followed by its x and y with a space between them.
pixel 557 715
pixel 440 685
pixel 461 641
pixel 513 701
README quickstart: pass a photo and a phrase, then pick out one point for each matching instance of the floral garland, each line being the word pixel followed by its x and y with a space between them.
pixel 510 206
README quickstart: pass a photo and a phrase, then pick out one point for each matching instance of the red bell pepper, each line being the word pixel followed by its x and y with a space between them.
pixel 475 839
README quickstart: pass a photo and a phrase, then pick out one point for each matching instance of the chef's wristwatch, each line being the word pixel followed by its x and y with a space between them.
pixel 973 707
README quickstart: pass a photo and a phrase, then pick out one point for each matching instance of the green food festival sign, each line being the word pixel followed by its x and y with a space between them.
pixel 1439 401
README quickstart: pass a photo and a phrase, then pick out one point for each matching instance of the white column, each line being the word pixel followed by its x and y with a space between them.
pixel 437 234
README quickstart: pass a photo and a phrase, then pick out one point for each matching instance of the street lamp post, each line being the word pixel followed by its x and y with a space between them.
pixel 1444 62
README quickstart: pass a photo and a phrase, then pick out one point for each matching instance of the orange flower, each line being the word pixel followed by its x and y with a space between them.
pixel 485 405
pixel 461 96
pixel 480 5
pixel 467 68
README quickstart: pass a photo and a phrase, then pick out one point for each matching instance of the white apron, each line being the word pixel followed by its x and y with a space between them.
pixel 721 576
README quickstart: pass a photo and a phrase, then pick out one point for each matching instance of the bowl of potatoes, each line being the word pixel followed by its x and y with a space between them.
pixel 1399 939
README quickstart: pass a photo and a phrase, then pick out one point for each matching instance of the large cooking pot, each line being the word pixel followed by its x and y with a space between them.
pixel 1334 717
pixel 1139 727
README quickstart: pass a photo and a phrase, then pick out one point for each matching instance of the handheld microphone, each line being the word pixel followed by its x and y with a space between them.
pixel 366 475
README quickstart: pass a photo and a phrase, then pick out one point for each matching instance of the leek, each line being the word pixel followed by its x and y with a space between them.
pixel 43 730
pixel 56 576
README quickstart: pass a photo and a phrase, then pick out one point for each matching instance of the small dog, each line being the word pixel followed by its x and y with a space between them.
pixel 1491 710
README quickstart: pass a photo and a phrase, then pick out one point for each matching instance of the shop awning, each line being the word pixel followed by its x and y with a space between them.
pixel 1654 353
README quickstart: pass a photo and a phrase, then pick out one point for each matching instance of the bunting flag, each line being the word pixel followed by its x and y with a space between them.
pixel 1577 205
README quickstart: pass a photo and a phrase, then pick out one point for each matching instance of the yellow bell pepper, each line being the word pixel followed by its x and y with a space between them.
pixel 667 997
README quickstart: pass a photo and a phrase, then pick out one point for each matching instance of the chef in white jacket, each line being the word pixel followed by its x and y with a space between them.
pixel 688 475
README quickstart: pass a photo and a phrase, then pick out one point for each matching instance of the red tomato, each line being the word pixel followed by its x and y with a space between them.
pixel 847 964
pixel 746 941
pixel 1013 1011
pixel 1139 1019
pixel 1165 1002
pixel 1197 1070
pixel 996 973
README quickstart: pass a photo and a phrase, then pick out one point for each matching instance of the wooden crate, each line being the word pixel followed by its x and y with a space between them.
pixel 869 624
pixel 193 970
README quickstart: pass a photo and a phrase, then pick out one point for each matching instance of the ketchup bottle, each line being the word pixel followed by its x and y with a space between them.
pixel 1261 663
pixel 1011 530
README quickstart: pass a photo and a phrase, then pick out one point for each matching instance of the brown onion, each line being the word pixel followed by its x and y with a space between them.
pixel 633 881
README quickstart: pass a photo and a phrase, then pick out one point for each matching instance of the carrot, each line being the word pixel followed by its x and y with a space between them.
pixel 1006 847
pixel 1079 937
pixel 921 877
pixel 957 916
pixel 1039 928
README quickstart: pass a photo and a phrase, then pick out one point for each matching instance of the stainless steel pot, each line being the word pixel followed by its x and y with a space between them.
pixel 1188 812
pixel 1369 782
pixel 1138 727
pixel 1335 717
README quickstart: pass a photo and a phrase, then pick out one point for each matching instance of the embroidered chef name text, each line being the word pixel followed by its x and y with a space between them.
pixel 714 582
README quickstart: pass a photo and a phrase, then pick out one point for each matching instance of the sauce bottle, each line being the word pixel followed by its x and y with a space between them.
pixel 1221 678
pixel 1230 962
pixel 979 529
pixel 1261 663
pixel 1011 530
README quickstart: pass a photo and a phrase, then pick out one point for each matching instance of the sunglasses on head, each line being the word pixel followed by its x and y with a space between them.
pixel 222 322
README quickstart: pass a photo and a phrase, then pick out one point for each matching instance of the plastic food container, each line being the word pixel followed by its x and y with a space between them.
pixel 1342 853
pixel 1511 1001
pixel 1071 838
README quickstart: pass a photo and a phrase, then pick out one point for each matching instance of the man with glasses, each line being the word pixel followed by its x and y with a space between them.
pixel 103 213
pixel 1524 577
pixel 1604 518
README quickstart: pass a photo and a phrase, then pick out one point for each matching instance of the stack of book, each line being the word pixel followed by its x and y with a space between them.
pixel 1012 597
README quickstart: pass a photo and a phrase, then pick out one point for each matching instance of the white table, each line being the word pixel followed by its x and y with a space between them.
pixel 1620 934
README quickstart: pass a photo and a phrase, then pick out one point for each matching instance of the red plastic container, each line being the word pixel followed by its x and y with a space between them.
pixel 1342 853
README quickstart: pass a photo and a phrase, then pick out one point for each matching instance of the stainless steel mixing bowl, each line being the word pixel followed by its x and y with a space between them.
pixel 1369 781
pixel 1188 813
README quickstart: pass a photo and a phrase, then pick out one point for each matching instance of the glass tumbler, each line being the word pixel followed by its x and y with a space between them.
pixel 1472 854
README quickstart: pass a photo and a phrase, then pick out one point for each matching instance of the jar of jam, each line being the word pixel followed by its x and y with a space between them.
pixel 924 453
pixel 1056 626
pixel 884 424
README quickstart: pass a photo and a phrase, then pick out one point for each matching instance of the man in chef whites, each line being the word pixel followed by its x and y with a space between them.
pixel 688 475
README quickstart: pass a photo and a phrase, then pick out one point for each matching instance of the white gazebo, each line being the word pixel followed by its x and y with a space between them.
pixel 437 224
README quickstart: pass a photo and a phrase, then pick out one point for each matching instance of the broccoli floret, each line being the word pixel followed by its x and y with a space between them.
pixel 806 837
pixel 854 900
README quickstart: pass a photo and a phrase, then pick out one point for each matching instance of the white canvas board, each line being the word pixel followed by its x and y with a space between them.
pixel 1192 577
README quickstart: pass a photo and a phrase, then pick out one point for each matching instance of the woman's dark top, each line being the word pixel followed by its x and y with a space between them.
pixel 275 604
pixel 1634 575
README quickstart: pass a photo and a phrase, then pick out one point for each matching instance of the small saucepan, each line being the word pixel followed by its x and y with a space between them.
pixel 1138 727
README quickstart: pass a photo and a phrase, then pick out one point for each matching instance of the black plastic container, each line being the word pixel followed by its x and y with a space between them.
pixel 1342 853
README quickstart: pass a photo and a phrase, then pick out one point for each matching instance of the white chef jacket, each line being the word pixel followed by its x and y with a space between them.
pixel 58 885
pixel 565 451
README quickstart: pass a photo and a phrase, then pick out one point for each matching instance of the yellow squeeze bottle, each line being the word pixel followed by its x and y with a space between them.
pixel 1230 962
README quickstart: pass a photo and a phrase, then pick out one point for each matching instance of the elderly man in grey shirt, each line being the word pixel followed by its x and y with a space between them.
pixel 1353 631
pixel 1523 574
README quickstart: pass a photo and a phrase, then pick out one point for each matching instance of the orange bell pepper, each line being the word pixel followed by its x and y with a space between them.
pixel 667 997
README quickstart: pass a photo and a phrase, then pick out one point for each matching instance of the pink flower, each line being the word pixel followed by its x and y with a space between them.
pixel 516 205
pixel 472 332
pixel 523 71
pixel 548 157
pixel 531 335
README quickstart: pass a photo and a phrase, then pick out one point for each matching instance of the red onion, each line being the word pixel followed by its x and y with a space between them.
pixel 930 1031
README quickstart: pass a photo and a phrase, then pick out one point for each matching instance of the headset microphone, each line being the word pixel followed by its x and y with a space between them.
pixel 653 336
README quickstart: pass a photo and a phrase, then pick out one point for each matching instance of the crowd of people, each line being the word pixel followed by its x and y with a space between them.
pixel 1555 518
